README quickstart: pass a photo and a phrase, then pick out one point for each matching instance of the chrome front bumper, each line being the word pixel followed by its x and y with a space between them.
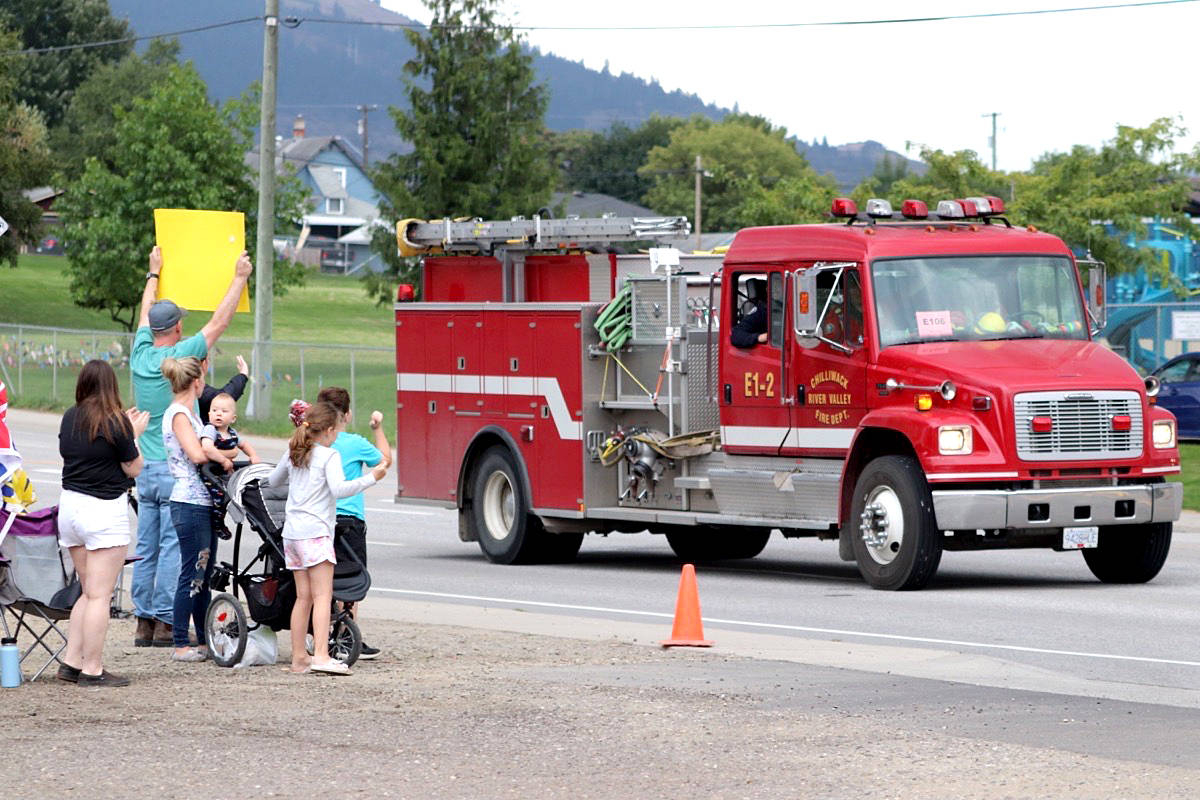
pixel 1055 508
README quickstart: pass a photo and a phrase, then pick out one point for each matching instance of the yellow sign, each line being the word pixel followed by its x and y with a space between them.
pixel 199 250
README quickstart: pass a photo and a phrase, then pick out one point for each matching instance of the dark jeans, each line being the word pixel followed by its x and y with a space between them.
pixel 197 551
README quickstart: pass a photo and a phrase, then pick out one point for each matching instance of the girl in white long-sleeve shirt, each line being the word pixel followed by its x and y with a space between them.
pixel 313 473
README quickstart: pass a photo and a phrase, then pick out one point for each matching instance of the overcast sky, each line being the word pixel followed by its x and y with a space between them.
pixel 1055 79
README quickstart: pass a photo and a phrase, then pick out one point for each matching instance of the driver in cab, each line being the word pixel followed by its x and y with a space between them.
pixel 751 329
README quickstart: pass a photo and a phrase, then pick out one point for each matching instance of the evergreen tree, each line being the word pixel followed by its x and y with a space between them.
pixel 475 122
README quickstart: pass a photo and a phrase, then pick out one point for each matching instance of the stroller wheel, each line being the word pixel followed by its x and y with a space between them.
pixel 225 630
pixel 345 640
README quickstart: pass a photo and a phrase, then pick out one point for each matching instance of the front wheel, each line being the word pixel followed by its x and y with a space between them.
pixel 225 630
pixel 892 527
pixel 1129 553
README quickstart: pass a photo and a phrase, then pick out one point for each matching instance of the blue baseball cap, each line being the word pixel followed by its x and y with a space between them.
pixel 164 314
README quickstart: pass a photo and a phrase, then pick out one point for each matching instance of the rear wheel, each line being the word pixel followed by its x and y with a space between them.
pixel 1129 553
pixel 225 630
pixel 718 544
pixel 893 530
pixel 507 531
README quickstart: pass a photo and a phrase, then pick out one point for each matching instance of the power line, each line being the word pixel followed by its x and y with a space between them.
pixel 744 26
pixel 33 51
pixel 293 22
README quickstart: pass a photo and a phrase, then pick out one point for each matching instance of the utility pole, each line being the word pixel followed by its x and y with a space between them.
pixel 362 128
pixel 699 175
pixel 264 256
pixel 992 140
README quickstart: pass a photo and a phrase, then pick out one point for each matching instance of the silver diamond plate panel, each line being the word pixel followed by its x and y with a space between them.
pixel 1081 425
pixel 806 497
pixel 701 412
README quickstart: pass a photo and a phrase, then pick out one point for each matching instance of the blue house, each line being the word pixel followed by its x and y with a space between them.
pixel 343 202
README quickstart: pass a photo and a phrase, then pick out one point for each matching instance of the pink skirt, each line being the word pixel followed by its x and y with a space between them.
pixel 305 553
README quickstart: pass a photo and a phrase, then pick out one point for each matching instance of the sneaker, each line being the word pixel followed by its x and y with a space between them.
pixel 144 637
pixel 367 652
pixel 68 673
pixel 102 680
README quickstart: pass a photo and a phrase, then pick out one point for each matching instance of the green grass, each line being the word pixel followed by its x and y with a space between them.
pixel 328 310
pixel 1189 459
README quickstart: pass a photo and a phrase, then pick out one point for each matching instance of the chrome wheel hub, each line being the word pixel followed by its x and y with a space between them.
pixel 882 524
pixel 499 506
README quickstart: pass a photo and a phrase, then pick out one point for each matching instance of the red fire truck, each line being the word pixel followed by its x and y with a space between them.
pixel 903 383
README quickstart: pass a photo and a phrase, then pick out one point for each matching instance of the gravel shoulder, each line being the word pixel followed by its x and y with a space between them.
pixel 456 712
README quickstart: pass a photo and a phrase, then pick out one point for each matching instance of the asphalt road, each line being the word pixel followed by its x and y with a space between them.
pixel 1029 619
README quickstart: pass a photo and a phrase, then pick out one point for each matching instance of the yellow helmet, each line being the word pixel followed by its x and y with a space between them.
pixel 991 322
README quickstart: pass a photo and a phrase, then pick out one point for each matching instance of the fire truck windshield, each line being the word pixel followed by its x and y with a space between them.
pixel 966 298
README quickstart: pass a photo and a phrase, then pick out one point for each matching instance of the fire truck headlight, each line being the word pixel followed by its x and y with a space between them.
pixel 954 440
pixel 1163 434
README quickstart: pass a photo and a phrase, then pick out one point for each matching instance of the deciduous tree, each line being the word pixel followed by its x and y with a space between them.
pixel 754 175
pixel 88 127
pixel 24 159
pixel 172 149
pixel 1096 199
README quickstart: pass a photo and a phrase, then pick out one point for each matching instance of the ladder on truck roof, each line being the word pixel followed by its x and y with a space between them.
pixel 416 237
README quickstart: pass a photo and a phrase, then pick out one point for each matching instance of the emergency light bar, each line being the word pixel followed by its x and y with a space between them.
pixel 844 207
pixel 879 209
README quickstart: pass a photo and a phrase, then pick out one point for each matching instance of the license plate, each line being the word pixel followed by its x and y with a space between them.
pixel 1079 538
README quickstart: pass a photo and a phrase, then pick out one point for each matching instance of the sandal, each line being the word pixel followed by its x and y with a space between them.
pixel 333 667
pixel 192 655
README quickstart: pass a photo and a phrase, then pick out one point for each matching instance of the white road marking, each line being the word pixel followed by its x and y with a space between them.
pixel 405 511
pixel 802 628
pixel 386 544
pixel 46 471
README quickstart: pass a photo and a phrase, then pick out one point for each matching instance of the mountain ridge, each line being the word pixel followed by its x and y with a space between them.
pixel 328 68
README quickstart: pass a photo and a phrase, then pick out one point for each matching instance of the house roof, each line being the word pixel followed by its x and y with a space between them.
pixel 591 204
pixel 329 182
pixel 299 152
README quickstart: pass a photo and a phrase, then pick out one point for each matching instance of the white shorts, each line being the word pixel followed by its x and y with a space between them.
pixel 86 521
pixel 305 553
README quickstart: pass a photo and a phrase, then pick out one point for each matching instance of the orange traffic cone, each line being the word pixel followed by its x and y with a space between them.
pixel 688 630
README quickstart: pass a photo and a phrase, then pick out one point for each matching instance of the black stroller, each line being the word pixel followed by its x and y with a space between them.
pixel 270 590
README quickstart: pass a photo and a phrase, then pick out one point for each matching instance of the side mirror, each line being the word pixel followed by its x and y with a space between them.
pixel 805 308
pixel 1097 278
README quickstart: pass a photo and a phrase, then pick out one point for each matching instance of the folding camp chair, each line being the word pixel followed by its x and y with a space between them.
pixel 38 585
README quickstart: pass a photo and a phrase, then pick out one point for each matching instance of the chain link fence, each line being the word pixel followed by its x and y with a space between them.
pixel 40 365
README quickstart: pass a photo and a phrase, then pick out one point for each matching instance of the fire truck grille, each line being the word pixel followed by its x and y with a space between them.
pixel 1081 425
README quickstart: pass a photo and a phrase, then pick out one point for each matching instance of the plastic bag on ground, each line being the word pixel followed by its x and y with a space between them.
pixel 262 648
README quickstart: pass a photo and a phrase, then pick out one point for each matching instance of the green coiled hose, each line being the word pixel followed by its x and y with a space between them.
pixel 614 324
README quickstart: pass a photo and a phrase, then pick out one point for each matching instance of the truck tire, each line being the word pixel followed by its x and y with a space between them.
pixel 1129 553
pixel 892 527
pixel 718 544
pixel 500 510
pixel 500 515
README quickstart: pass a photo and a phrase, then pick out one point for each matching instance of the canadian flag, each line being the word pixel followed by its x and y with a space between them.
pixel 10 459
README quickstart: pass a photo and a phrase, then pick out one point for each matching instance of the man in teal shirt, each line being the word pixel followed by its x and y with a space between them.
pixel 160 335
pixel 356 453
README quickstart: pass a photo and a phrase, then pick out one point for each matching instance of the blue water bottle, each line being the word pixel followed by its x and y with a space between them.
pixel 10 664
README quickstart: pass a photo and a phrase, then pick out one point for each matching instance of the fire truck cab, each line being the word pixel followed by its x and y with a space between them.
pixel 904 384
